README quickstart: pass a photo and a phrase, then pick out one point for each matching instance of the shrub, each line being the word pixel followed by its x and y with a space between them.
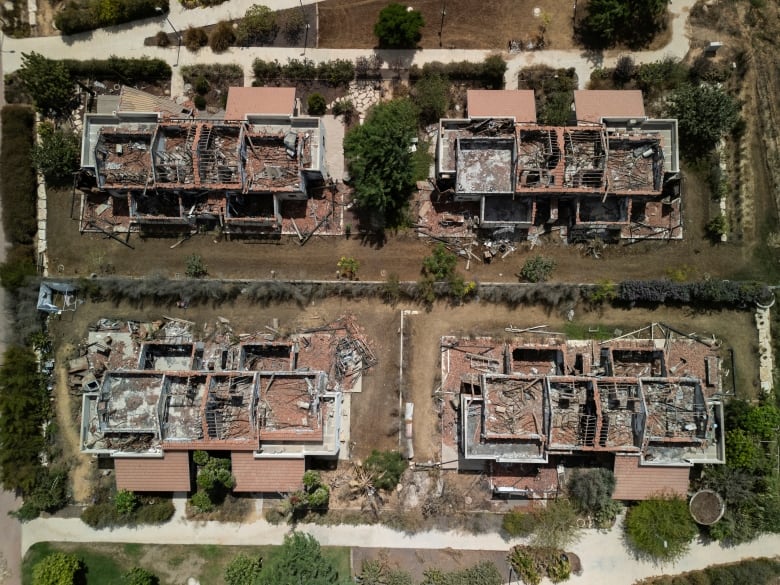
pixel 200 101
pixel 57 568
pixel 201 86
pixel 624 71
pixel 221 37
pixel 293 26
pixel 717 227
pixel 532 563
pixel 660 528
pixel 139 576
pixel 243 570
pixel 518 523
pixel 257 27
pixel 337 72
pixel 591 490
pixel 556 525
pixel 18 267
pixel 84 15
pixel 431 94
pixel 266 70
pixel 202 501
pixel 195 266
pixel 440 265
pixel 386 468
pixel 154 511
pixel 316 105
pixel 162 39
pixel 56 155
pixel 200 458
pixel 18 176
pixel 195 38
pixel 125 502
pixel 120 69
pixel 537 268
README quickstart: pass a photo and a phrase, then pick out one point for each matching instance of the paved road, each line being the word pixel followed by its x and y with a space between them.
pixel 127 41
pixel 604 558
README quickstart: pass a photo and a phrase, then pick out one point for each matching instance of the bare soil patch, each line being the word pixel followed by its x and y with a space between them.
pixel 349 24
pixel 416 561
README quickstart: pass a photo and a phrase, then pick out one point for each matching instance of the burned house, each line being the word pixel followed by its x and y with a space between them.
pixel 646 405
pixel 158 171
pixel 271 404
pixel 614 175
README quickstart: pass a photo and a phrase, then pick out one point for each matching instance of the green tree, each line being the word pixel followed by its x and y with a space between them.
pixel 139 576
pixel 298 560
pixel 257 27
pixel 49 83
pixel 608 22
pixel 440 265
pixel 556 525
pixel 379 159
pixel 386 468
pixel 243 570
pixel 56 569
pixel 316 104
pixel 24 406
pixel 431 95
pixel 537 268
pixel 661 528
pixel 56 154
pixel 591 490
pixel 398 28
pixel 704 113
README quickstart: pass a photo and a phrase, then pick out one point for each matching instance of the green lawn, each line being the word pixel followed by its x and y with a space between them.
pixel 106 563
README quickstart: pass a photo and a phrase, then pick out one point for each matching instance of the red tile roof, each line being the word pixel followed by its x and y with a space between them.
pixel 170 473
pixel 259 100
pixel 591 105
pixel 641 483
pixel 502 102
pixel 266 475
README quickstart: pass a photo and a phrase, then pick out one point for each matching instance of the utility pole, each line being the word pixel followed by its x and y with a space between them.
pixel 441 25
pixel 178 34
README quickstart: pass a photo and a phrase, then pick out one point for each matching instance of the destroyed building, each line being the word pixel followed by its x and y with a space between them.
pixel 615 174
pixel 646 404
pixel 153 393
pixel 161 170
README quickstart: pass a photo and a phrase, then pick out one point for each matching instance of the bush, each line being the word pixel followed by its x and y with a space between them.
pixel 201 86
pixel 200 458
pixel 84 15
pixel 518 523
pixel 195 266
pixel 243 570
pixel 199 101
pixel 56 569
pixel 537 268
pixel 162 39
pixel 148 511
pixel 316 105
pixel 119 69
pixel 56 155
pixel 18 175
pixel 202 501
pixel 661 528
pixel 258 26
pixel 431 94
pixel 386 468
pixel 717 227
pixel 556 525
pixel 18 267
pixel 398 28
pixel 338 72
pixel 195 38
pixel 591 490
pixel 125 502
pixel 139 576
pixel 753 571
pixel 532 563
pixel 344 107
pixel 221 37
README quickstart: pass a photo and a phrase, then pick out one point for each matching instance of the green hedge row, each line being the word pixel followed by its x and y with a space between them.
pixel 18 175
pixel 753 571
pixel 120 69
pixel 489 72
pixel 85 15
pixel 334 73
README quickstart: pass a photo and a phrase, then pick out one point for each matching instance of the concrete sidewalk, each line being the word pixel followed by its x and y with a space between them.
pixel 604 557
pixel 127 41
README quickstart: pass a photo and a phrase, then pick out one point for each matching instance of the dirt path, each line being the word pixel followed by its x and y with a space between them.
pixel 80 463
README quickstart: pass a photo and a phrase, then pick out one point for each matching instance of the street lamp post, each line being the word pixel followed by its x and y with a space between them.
pixel 178 34
pixel 441 25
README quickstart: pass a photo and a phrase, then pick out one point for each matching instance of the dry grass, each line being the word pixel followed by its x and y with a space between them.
pixel 489 25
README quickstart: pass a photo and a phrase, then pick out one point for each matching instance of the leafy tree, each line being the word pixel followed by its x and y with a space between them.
pixel 293 26
pixel 316 104
pixel 243 570
pixel 556 525
pixel 537 268
pixel 591 491
pixel 661 528
pixel 532 563
pixel 257 27
pixel 49 83
pixel 386 467
pixel 139 576
pixel 24 407
pixel 431 95
pixel 611 21
pixel 440 265
pixel 379 160
pixel 221 37
pixel 704 113
pixel 56 569
pixel 298 560
pixel 398 28
pixel 56 154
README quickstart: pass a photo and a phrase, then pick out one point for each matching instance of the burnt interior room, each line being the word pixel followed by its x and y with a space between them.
pixel 537 361
pixel 266 357
pixel 173 154
pixel 538 150
pixel 158 203
pixel 228 406
pixel 250 205
pixel 639 363
pixel 218 157
pixel 166 356
pixel 585 159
